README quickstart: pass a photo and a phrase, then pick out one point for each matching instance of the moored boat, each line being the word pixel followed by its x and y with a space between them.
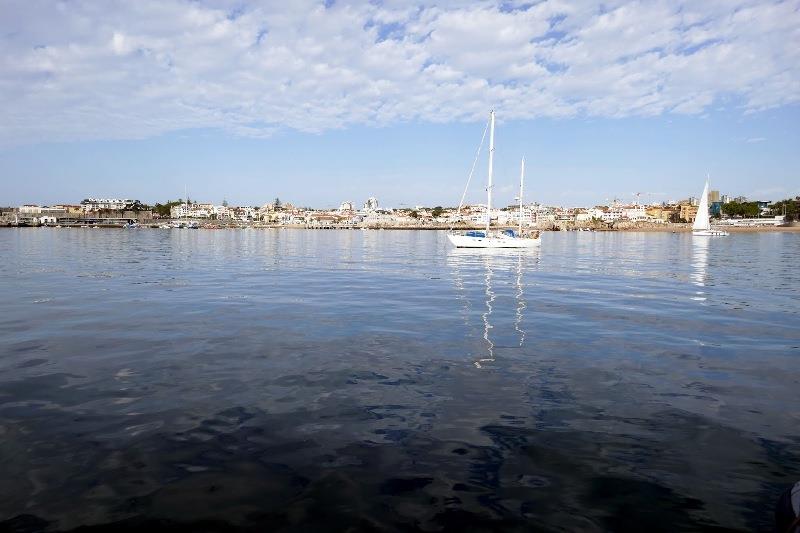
pixel 489 238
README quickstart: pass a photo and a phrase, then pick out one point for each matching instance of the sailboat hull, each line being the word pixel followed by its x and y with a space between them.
pixel 709 233
pixel 502 241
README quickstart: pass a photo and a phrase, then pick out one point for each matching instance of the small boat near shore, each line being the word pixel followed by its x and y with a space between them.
pixel 702 221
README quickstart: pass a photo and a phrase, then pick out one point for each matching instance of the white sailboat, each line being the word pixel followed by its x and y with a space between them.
pixel 495 239
pixel 702 222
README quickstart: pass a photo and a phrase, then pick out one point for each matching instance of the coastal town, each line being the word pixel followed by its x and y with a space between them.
pixel 615 215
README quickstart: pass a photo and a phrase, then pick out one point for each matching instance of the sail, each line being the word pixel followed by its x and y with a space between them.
pixel 701 221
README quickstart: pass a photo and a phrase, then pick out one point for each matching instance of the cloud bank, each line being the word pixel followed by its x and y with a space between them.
pixel 80 69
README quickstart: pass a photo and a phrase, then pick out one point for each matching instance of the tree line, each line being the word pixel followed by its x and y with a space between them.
pixel 790 207
pixel 741 209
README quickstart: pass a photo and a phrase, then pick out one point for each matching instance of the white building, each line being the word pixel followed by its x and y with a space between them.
pixel 371 204
pixel 41 210
pixel 777 220
pixel 93 204
pixel 596 213
pixel 634 213
pixel 512 216
pixel 380 217
pixel 346 206
pixel 221 211
pixel 192 211
pixel 243 214
pixel 29 209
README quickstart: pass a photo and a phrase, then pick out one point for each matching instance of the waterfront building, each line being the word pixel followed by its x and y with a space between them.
pixel 662 213
pixel 243 214
pixel 688 212
pixel 610 214
pixel 29 209
pixel 636 213
pixel 713 196
pixel 596 212
pixel 320 218
pixel 179 211
pixel 193 210
pixel 777 220
pixel 528 215
pixel 69 210
pixel 95 204
pixel 221 212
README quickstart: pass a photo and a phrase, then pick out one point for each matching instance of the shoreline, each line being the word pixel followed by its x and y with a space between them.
pixel 731 229
pixel 671 228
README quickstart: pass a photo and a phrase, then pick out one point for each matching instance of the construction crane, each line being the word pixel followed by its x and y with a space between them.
pixel 650 195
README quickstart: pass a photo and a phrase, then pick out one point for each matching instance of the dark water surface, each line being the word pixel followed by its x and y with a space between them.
pixel 298 380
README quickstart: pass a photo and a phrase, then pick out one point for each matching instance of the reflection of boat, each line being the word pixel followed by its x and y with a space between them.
pixel 487 265
pixel 699 267
pixel 488 238
pixel 702 222
pixel 520 303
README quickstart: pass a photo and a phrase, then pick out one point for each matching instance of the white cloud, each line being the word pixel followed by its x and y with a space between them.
pixel 85 69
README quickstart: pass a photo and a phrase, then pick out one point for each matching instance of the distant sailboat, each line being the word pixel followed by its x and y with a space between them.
pixel 494 239
pixel 702 222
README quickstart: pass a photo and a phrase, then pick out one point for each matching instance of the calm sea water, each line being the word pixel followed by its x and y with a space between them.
pixel 300 380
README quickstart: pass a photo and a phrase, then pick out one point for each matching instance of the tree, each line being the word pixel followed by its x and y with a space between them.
pixel 437 211
pixel 164 210
pixel 789 207
pixel 276 203
pixel 136 205
pixel 743 209
pixel 414 214
pixel 224 203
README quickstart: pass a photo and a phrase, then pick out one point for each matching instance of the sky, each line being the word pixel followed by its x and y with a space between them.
pixel 321 102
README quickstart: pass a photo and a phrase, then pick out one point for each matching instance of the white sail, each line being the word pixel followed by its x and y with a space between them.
pixel 701 221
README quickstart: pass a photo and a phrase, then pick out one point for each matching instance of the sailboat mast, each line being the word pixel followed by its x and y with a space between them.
pixel 491 161
pixel 521 190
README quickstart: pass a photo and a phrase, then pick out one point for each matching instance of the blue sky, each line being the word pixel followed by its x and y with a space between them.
pixel 251 100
